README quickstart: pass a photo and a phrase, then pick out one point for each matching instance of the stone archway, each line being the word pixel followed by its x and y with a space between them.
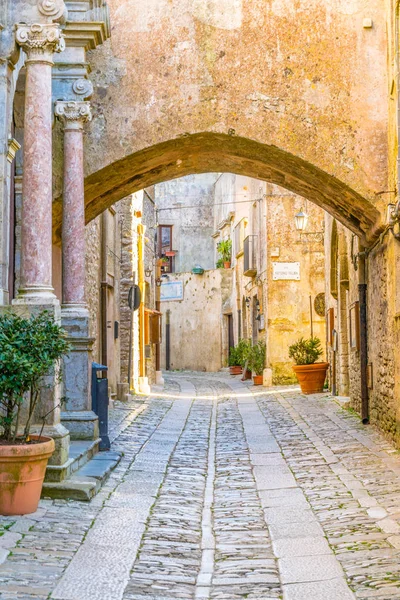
pixel 215 152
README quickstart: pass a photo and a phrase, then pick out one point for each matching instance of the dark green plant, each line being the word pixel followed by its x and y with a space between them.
pixel 256 358
pixel 224 248
pixel 220 264
pixel 29 349
pixel 243 349
pixel 306 352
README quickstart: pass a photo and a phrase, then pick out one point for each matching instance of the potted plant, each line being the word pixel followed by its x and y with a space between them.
pixel 235 368
pixel 29 349
pixel 225 250
pixel 310 374
pixel 244 347
pixel 257 355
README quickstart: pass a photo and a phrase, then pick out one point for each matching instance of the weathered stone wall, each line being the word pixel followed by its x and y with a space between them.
pixel 187 204
pixel 289 301
pixel 195 322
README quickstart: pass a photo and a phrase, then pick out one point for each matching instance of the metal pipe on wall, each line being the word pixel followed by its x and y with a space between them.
pixel 362 291
pixel 103 289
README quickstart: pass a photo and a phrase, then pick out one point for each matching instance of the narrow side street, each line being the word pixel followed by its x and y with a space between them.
pixel 223 492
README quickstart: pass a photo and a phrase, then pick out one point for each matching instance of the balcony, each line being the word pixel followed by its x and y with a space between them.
pixel 250 256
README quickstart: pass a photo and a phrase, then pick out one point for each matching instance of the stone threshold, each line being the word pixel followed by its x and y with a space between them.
pixel 80 452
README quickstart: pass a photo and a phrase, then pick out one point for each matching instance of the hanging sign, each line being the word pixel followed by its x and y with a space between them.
pixel 282 270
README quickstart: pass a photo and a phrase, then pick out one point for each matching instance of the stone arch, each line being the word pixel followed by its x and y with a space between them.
pixel 334 255
pixel 216 152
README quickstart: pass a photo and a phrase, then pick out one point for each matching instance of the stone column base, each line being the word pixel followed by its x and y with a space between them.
pixel 81 424
pixel 144 387
pixel 267 377
pixel 159 378
pixel 122 391
pixel 61 439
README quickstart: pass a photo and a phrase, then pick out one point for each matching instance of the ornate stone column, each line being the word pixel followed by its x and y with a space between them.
pixel 77 416
pixel 39 41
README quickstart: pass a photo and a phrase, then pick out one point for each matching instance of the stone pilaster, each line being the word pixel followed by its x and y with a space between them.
pixel 78 416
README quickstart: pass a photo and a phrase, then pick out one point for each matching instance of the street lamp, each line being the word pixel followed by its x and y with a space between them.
pixel 300 220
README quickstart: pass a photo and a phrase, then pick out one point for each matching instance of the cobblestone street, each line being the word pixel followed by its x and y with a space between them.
pixel 224 492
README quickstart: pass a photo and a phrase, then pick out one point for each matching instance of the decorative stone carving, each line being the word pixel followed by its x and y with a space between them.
pixel 73 114
pixel 83 87
pixel 55 9
pixel 40 41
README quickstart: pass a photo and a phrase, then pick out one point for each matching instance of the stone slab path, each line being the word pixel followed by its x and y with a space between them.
pixel 224 492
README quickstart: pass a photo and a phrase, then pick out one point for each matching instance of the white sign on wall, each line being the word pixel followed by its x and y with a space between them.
pixel 171 290
pixel 281 270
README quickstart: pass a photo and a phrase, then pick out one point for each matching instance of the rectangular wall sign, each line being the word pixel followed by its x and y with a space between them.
pixel 171 290
pixel 281 270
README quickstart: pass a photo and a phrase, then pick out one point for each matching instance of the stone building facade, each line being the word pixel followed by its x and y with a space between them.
pixel 239 303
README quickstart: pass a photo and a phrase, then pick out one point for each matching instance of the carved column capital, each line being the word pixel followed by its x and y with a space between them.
pixel 53 9
pixel 73 114
pixel 40 41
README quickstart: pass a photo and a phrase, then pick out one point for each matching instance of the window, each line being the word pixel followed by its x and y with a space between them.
pixel 165 248
pixel 239 235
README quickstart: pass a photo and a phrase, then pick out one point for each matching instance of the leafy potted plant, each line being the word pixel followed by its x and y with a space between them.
pixel 225 250
pixel 29 349
pixel 310 374
pixel 257 355
pixel 243 348
pixel 235 368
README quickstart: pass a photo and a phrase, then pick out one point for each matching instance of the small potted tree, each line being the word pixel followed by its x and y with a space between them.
pixel 235 368
pixel 244 347
pixel 225 251
pixel 310 374
pixel 29 350
pixel 257 355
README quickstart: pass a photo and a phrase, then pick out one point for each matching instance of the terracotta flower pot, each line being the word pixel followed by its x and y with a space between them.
pixel 227 265
pixel 311 377
pixel 237 370
pixel 246 375
pixel 258 379
pixel 22 470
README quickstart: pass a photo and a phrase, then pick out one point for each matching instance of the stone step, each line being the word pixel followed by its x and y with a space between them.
pixel 86 481
pixel 80 452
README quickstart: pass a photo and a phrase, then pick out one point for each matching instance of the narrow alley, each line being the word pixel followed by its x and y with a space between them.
pixel 222 492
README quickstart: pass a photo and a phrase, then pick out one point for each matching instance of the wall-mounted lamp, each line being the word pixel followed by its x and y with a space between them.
pixel 300 221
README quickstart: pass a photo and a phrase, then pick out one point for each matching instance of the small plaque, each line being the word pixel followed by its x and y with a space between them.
pixel 288 271
pixel 171 290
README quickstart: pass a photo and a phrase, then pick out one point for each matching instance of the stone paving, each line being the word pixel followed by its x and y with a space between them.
pixel 224 492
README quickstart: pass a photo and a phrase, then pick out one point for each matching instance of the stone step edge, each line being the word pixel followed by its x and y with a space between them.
pixel 82 488
pixel 58 473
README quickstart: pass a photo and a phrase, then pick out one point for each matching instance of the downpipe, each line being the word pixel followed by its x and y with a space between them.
pixel 362 294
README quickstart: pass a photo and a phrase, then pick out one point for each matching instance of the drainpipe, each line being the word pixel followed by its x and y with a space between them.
pixel 143 381
pixel 103 289
pixel 362 291
pixel 159 377
pixel 167 341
